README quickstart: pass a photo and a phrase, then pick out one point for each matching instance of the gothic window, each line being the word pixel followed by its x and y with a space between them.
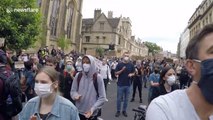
pixel 54 17
pixel 39 2
pixel 69 19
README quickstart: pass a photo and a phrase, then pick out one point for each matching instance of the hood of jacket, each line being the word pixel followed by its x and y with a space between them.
pixel 93 66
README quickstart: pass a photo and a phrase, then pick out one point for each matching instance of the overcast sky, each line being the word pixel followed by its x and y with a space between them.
pixel 158 21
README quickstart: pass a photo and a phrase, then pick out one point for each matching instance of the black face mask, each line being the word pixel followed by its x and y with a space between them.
pixel 206 81
pixel 156 71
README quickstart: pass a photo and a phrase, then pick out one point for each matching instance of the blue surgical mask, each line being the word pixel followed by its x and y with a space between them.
pixel 69 67
pixel 206 81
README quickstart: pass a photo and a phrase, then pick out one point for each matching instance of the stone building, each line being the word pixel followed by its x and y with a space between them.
pixel 61 19
pixel 201 17
pixel 103 31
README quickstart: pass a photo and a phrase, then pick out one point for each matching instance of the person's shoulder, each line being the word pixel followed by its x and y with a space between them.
pixel 34 100
pixel 65 102
pixel 170 98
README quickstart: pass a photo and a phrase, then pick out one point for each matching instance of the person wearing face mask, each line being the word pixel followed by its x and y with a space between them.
pixel 125 71
pixel 68 79
pixel 167 83
pixel 137 81
pixel 78 64
pixel 48 105
pixel 105 73
pixel 195 102
pixel 154 79
pixel 88 99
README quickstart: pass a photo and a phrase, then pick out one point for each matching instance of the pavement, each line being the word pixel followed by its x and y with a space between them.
pixel 109 109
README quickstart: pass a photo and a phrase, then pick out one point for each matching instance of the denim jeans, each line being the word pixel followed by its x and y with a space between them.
pixel 123 93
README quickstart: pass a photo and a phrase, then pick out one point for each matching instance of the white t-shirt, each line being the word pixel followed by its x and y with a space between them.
pixel 173 106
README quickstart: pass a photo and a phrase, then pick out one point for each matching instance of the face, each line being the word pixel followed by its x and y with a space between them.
pixel 50 64
pixel 85 60
pixel 104 61
pixel 69 63
pixel 169 73
pixel 205 52
pixel 43 78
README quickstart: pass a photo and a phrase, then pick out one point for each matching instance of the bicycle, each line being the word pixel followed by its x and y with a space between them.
pixel 140 112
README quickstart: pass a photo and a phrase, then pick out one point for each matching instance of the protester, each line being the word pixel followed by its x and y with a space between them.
pixel 196 102
pixel 167 83
pixel 125 70
pixel 105 72
pixel 154 79
pixel 88 90
pixel 48 104
pixel 68 79
pixel 137 81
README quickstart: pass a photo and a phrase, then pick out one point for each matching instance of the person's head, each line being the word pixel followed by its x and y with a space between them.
pixel 199 55
pixel 89 65
pixel 156 70
pixel 104 61
pixel 138 63
pixel 167 75
pixel 69 65
pixel 86 64
pixel 28 65
pixel 126 58
pixel 46 82
pixel 51 61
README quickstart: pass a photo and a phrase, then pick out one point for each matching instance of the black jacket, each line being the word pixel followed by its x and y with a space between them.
pixel 160 90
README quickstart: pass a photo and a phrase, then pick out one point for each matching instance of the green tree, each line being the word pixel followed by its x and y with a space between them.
pixel 100 51
pixel 153 47
pixel 63 43
pixel 19 23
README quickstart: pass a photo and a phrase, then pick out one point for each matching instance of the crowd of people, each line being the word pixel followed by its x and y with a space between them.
pixel 54 85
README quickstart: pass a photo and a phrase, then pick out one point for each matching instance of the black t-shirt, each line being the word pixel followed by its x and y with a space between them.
pixel 123 79
pixel 44 116
pixel 160 90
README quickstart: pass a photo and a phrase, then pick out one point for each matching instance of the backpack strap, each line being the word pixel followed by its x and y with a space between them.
pixel 79 79
pixel 95 82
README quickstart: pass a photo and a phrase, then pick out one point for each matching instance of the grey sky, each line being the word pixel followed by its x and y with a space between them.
pixel 159 21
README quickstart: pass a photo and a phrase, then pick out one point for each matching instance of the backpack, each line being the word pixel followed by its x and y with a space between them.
pixel 95 82
pixel 10 104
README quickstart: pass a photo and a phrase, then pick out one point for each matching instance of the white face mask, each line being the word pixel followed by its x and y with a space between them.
pixel 171 80
pixel 126 58
pixel 86 67
pixel 43 90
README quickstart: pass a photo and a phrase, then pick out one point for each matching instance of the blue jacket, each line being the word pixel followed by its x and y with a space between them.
pixel 62 109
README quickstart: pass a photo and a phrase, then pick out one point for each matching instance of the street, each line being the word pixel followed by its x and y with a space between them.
pixel 109 109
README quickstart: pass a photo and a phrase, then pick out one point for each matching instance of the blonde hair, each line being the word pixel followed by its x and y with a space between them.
pixel 51 72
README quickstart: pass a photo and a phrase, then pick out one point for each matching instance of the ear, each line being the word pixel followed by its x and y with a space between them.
pixel 55 84
pixel 164 78
pixel 190 66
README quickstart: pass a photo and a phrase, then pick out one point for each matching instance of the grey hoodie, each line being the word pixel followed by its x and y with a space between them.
pixel 89 100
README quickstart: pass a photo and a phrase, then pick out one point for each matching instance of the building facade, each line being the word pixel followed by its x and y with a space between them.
pixel 184 40
pixel 61 19
pixel 202 16
pixel 103 31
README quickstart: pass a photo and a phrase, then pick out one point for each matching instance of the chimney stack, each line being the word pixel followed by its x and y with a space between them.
pixel 97 13
pixel 110 14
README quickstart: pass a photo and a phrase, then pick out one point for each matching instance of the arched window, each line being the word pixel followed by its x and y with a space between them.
pixel 70 11
pixel 54 17
pixel 39 2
